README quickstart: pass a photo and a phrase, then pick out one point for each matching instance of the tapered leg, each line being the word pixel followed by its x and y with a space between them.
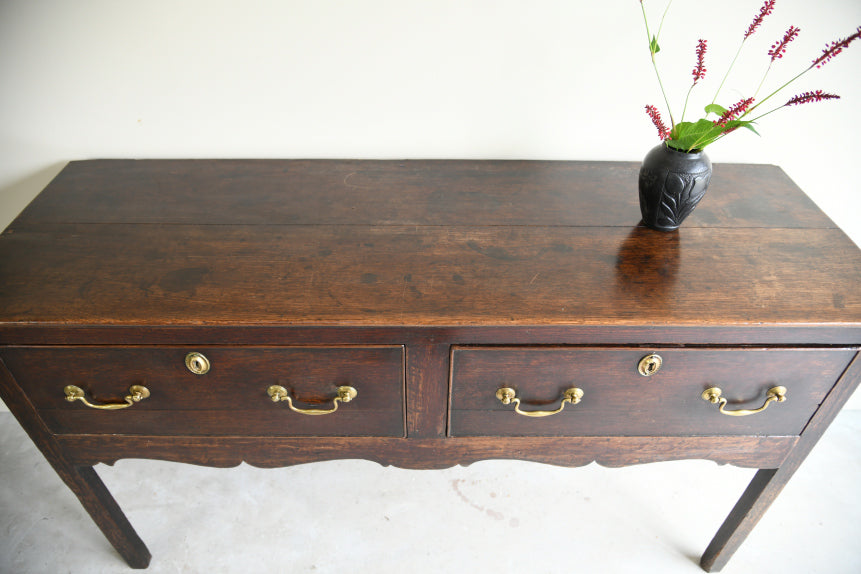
pixel 768 483
pixel 758 496
pixel 107 515
pixel 82 480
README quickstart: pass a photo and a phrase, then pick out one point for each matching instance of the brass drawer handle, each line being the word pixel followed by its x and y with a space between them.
pixel 278 393
pixel 136 394
pixel 507 395
pixel 713 395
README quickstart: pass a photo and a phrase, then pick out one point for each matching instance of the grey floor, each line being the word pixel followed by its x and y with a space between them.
pixel 494 516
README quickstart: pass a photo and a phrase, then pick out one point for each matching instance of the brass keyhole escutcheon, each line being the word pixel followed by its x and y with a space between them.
pixel 197 363
pixel 650 364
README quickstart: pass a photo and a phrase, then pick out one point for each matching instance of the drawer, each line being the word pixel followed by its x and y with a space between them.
pixel 617 400
pixel 230 399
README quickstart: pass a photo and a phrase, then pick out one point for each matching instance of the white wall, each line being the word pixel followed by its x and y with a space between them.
pixel 534 79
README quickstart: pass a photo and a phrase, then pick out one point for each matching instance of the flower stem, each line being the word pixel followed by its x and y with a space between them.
pixel 652 51
pixel 764 76
pixel 763 101
pixel 646 20
pixel 664 93
pixel 720 87
pixel 687 97
pixel 765 114
pixel 663 17
pixel 766 98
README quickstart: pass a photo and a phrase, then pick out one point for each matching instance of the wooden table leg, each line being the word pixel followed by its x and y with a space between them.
pixel 767 483
pixel 106 513
pixel 82 480
pixel 758 496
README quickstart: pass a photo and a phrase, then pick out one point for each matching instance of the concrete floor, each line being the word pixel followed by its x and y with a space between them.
pixel 494 516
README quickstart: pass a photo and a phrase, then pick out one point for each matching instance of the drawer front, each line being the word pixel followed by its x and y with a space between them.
pixel 617 400
pixel 230 399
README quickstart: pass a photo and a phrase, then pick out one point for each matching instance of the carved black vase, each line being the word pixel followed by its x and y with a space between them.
pixel 672 183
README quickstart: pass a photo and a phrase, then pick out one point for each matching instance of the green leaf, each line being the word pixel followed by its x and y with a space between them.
pixel 697 135
pixel 749 125
pixel 715 109
pixel 687 136
pixel 734 124
pixel 653 45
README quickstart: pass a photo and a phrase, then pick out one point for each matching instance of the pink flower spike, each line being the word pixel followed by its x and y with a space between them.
pixel 835 48
pixel 808 97
pixel 763 12
pixel 653 112
pixel 734 112
pixel 700 70
pixel 778 49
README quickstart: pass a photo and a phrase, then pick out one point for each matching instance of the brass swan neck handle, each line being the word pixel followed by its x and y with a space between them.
pixel 136 394
pixel 279 394
pixel 507 396
pixel 713 395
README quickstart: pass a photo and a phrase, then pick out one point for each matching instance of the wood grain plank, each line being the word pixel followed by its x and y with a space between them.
pixel 427 389
pixel 761 334
pixel 409 276
pixel 409 192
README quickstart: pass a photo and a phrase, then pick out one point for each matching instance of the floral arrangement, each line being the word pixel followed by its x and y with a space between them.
pixel 719 120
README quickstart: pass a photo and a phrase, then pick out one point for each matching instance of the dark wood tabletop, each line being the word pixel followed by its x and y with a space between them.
pixel 398 243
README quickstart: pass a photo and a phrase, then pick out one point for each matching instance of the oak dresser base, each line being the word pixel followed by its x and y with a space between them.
pixel 422 314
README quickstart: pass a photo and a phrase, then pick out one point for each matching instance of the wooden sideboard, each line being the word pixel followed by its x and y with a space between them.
pixel 422 314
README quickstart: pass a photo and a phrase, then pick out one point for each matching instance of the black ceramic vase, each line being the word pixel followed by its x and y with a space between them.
pixel 672 183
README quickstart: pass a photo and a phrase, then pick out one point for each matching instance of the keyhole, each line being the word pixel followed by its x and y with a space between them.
pixel 197 363
pixel 649 365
